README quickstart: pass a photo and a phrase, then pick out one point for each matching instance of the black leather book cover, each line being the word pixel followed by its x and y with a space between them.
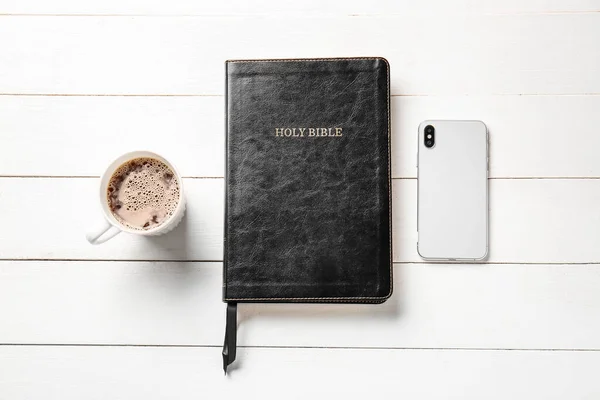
pixel 308 213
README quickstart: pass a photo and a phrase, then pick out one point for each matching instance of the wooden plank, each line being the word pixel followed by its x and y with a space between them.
pixel 167 373
pixel 433 306
pixel 62 210
pixel 531 221
pixel 309 7
pixel 444 54
pixel 189 130
pixel 530 136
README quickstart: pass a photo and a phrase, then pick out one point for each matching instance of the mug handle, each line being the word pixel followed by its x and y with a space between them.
pixel 102 233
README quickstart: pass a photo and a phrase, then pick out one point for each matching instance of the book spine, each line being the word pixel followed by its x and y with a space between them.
pixel 226 182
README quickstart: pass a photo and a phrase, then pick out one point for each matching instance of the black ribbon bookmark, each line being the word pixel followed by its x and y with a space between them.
pixel 229 346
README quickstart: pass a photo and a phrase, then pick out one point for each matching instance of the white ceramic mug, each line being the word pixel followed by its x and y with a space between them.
pixel 110 227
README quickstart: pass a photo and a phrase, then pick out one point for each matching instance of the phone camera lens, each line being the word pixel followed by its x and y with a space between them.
pixel 429 136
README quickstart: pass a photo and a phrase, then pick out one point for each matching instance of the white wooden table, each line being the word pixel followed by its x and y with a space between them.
pixel 82 82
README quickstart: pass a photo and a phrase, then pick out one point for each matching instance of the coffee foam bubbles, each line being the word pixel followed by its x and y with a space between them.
pixel 143 193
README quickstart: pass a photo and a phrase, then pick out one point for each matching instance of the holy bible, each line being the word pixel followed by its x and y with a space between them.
pixel 307 183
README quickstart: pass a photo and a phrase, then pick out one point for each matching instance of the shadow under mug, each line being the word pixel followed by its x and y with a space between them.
pixel 110 227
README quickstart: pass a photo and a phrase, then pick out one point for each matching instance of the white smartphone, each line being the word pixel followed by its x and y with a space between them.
pixel 452 190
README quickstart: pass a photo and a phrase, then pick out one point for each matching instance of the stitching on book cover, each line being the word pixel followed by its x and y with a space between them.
pixel 308 59
pixel 389 134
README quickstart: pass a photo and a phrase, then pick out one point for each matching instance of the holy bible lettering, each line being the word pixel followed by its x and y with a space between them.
pixel 308 132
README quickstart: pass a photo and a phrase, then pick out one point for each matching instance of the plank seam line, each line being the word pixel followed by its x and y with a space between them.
pixel 302 347
pixel 220 261
pixel 89 177
pixel 306 15
pixel 497 178
pixel 220 95
pixel 105 95
pixel 104 260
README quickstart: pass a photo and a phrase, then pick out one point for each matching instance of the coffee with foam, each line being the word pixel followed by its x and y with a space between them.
pixel 143 193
